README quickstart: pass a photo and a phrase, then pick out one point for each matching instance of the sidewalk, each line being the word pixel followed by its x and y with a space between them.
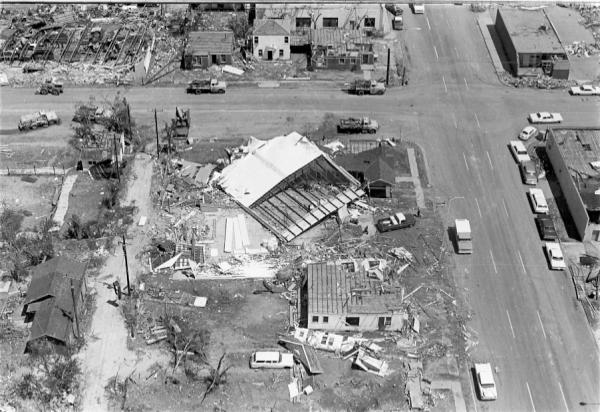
pixel 483 21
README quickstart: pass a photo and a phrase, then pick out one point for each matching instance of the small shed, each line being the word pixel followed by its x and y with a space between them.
pixel 206 48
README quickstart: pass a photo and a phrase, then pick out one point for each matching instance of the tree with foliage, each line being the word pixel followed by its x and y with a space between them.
pixel 239 25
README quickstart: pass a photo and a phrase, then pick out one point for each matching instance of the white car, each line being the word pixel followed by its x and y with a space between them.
pixel 484 379
pixel 538 201
pixel 271 360
pixel 528 132
pixel 585 90
pixel 555 256
pixel 519 151
pixel 545 117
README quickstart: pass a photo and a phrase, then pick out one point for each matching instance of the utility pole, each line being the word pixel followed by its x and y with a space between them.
pixel 156 128
pixel 116 156
pixel 387 76
pixel 74 308
pixel 129 117
pixel 126 265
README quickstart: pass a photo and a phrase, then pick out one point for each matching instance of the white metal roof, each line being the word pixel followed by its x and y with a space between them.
pixel 267 356
pixel 267 164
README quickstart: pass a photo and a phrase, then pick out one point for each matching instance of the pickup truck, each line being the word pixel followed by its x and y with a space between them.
pixel 362 125
pixel 395 222
pixel 361 87
pixel 38 119
pixel 545 117
pixel 206 86
pixel 585 90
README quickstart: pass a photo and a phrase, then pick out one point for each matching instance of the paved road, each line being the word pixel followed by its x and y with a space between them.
pixel 529 324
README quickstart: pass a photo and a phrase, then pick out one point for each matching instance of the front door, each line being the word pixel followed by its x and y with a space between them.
pixel 269 54
pixel 381 323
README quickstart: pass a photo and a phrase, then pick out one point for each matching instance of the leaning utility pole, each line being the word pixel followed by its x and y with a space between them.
pixel 74 308
pixel 156 128
pixel 126 265
pixel 116 156
pixel 387 76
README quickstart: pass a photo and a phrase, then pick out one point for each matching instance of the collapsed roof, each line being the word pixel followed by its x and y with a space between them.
pixel 288 184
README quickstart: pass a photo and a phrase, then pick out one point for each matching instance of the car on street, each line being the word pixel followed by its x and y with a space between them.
pixel 538 201
pixel 528 132
pixel 395 222
pixel 555 256
pixel 271 360
pixel 585 90
pixel 528 172
pixel 519 151
pixel 484 380
pixel 546 228
pixel 545 117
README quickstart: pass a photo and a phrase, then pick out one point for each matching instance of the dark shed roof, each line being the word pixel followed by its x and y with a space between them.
pixel 203 43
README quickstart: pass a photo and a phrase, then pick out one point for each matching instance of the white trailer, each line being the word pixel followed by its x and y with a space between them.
pixel 463 236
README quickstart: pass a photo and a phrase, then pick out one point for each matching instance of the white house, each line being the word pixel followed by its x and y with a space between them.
pixel 271 39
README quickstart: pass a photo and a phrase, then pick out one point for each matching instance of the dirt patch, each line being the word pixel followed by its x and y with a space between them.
pixel 86 197
pixel 34 198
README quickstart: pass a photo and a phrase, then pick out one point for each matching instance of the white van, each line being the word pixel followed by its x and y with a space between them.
pixel 538 201
pixel 484 379
pixel 271 360
pixel 418 8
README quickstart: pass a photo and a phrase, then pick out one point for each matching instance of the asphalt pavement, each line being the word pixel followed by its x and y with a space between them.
pixel 529 325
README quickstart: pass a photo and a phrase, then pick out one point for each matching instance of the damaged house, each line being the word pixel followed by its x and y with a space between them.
pixel 288 184
pixel 344 296
pixel 55 301
pixel 206 48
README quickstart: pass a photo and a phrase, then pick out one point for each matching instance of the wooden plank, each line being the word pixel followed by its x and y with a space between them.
pixel 228 235
pixel 244 230
pixel 237 235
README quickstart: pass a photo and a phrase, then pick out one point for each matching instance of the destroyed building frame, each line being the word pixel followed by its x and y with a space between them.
pixel 288 184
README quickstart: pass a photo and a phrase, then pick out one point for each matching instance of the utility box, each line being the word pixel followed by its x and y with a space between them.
pixel 464 243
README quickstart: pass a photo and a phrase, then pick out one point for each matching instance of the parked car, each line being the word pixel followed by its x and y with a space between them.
pixel 418 8
pixel 395 222
pixel 545 225
pixel 555 256
pixel 395 9
pixel 484 380
pixel 271 360
pixel 528 132
pixel 585 90
pixel 50 88
pixel 538 201
pixel 519 151
pixel 545 117
pixel 528 172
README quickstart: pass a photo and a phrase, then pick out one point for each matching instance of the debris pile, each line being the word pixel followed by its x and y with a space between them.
pixel 581 49
pixel 539 82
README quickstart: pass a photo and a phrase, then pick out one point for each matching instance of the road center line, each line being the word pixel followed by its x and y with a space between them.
pixel 456 51
pixel 477 120
pixel 489 160
pixel 505 208
pixel 428 25
pixel 466 84
pixel 563 396
pixel 454 120
pixel 478 209
pixel 494 263
pixel 522 264
pixel 466 164
pixel 543 330
pixel 513 333
pixel 436 53
pixel 530 397
pixel 445 87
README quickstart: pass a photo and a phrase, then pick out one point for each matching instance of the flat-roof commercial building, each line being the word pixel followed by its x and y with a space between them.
pixel 531 43
pixel 575 157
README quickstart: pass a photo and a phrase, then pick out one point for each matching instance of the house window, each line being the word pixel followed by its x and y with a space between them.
pixel 255 39
pixel 352 61
pixel 223 58
pixel 342 61
pixel 315 319
pixel 302 22
pixel 286 39
pixel 369 21
pixel 353 321
pixel 259 52
pixel 388 321
pixel 325 319
pixel 280 53
pixel 330 22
